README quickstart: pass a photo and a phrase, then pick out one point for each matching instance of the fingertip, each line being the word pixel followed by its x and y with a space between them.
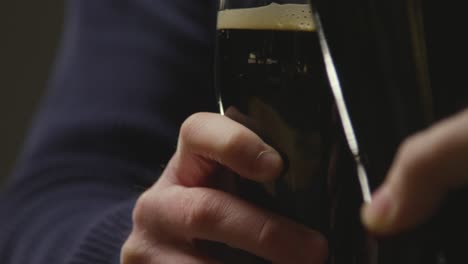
pixel 379 216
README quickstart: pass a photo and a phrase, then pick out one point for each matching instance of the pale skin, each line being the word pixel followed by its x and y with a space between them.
pixel 194 199
pixel 426 168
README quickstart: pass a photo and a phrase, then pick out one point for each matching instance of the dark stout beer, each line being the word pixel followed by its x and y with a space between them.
pixel 269 69
pixel 270 77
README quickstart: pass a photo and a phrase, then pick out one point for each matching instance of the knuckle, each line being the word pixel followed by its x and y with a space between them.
pixel 135 252
pixel 147 209
pixel 198 214
pixel 191 126
pixel 412 156
pixel 267 233
pixel 405 151
pixel 237 140
pixel 202 213
pixel 408 145
pixel 409 148
pixel 141 209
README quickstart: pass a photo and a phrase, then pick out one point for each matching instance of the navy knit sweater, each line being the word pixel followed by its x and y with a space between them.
pixel 128 73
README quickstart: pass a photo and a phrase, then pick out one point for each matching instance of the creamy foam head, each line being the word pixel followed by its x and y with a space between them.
pixel 292 17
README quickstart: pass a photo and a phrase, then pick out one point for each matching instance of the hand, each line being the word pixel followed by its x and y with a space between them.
pixel 184 207
pixel 428 166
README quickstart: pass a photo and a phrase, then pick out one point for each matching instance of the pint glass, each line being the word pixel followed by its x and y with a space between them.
pixel 270 77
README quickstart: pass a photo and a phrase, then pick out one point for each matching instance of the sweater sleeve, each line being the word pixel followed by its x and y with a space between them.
pixel 128 73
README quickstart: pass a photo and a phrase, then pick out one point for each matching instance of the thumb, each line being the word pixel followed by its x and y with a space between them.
pixel 426 167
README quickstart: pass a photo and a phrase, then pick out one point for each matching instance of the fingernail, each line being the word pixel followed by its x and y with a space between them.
pixel 380 214
pixel 269 164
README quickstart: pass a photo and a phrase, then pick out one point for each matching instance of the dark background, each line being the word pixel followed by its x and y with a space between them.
pixel 29 35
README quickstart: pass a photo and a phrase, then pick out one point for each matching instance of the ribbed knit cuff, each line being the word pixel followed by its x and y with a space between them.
pixel 104 240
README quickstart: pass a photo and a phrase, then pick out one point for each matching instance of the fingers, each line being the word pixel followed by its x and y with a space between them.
pixel 178 210
pixel 206 214
pixel 207 140
pixel 427 166
pixel 139 249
